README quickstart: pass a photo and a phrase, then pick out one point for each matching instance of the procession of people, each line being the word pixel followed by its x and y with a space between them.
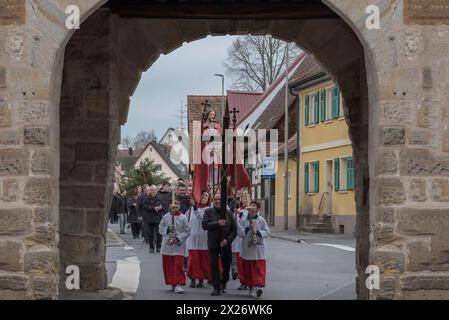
pixel 198 235
pixel 216 248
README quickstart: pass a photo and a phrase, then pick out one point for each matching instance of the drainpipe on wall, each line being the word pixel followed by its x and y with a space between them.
pixel 286 180
pixel 298 155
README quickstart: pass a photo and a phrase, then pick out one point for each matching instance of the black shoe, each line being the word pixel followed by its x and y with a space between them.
pixel 223 289
pixel 242 287
pixel 258 292
pixel 200 284
pixel 158 250
pixel 235 275
pixel 193 283
pixel 151 250
pixel 215 292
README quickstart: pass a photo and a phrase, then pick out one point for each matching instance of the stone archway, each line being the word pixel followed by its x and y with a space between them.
pixel 102 67
pixel 402 197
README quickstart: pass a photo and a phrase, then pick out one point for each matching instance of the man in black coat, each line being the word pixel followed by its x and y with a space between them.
pixel 165 196
pixel 145 192
pixel 184 199
pixel 115 207
pixel 221 231
pixel 122 210
pixel 152 215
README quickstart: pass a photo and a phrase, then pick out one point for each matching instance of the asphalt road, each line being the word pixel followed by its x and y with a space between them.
pixel 295 271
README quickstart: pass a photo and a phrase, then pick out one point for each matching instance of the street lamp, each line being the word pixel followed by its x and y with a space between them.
pixel 222 93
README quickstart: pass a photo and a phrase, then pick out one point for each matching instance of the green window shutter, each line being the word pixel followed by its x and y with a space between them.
pixel 334 103
pixel 337 174
pixel 338 102
pixel 323 105
pixel 350 173
pixel 306 110
pixel 317 176
pixel 317 108
pixel 306 177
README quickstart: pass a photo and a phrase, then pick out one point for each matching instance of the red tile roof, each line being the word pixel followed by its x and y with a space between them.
pixel 279 79
pixel 245 102
pixel 309 67
pixel 275 110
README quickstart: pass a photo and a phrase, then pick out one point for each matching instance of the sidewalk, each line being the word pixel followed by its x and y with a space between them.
pixel 107 294
pixel 301 237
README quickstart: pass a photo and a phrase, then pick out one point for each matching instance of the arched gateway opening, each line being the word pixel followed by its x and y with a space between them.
pixel 102 66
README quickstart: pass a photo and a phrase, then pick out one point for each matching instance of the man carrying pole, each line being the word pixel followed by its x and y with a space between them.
pixel 221 226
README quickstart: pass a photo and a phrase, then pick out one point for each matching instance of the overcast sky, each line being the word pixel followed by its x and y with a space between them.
pixel 186 71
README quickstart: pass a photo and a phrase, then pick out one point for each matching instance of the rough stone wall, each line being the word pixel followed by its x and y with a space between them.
pixel 409 156
pixel 88 140
pixel 29 165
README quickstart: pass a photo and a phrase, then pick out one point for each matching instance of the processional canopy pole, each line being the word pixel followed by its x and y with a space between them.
pixel 224 178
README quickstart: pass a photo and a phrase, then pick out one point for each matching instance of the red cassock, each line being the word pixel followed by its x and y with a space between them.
pixel 241 269
pixel 255 272
pixel 173 270
pixel 198 265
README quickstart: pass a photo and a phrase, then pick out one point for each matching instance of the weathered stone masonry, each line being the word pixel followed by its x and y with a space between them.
pixel 64 93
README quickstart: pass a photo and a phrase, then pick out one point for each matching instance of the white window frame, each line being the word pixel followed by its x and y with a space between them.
pixel 312 182
pixel 312 109
pixel 344 174
pixel 328 105
pixel 341 113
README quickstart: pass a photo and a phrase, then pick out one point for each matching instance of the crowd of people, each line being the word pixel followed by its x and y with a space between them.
pixel 195 239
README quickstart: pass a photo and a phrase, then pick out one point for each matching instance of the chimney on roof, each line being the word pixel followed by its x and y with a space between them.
pixel 130 152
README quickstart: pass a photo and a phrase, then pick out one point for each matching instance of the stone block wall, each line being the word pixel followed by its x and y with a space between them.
pixel 88 140
pixel 29 258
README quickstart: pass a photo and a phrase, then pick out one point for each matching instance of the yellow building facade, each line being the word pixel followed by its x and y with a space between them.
pixel 326 164
pixel 291 192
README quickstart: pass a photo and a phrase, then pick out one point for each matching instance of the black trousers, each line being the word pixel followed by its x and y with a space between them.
pixel 154 235
pixel 226 258
pixel 144 230
pixel 135 228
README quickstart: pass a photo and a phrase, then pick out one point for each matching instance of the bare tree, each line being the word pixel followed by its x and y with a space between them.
pixel 254 62
pixel 141 140
pixel 126 142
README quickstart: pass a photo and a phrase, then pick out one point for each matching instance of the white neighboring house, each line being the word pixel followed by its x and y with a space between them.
pixel 160 154
pixel 178 139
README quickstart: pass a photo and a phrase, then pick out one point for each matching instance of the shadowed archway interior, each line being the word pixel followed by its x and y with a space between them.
pixel 102 67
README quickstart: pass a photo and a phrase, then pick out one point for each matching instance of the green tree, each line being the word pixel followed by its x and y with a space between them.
pixel 147 172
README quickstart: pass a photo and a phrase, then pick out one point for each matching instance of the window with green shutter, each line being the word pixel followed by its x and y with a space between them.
pixel 317 176
pixel 335 103
pixel 350 173
pixel 316 108
pixel 323 105
pixel 306 177
pixel 306 111
pixel 337 174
